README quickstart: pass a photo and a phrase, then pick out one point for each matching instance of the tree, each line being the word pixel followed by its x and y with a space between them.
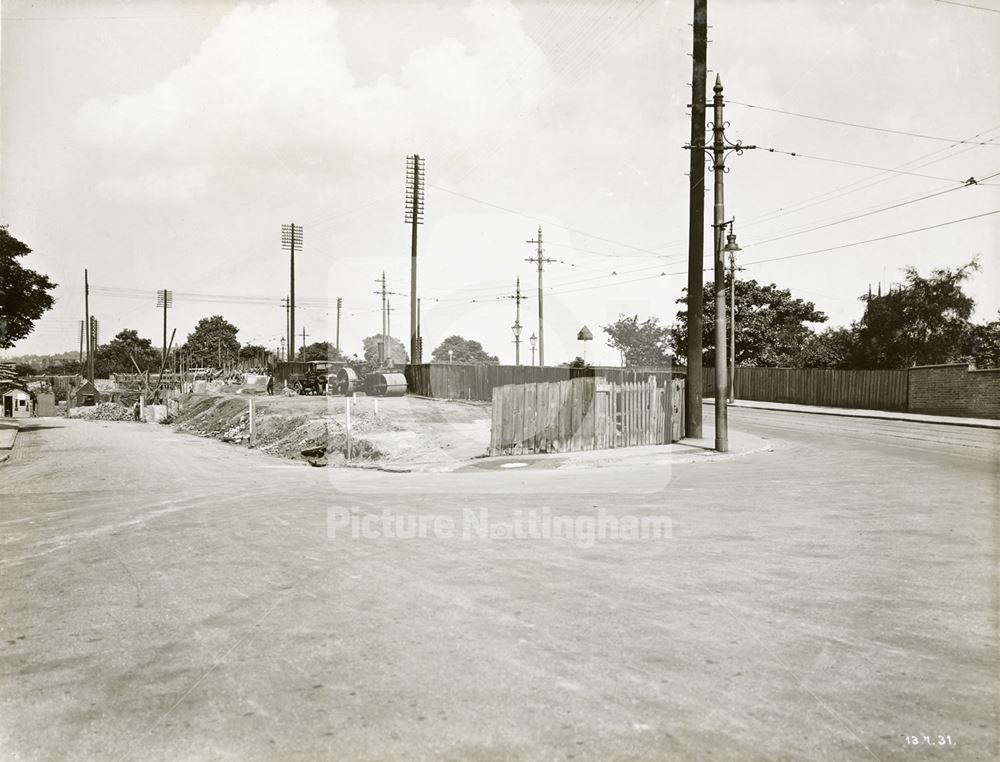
pixel 985 344
pixel 464 351
pixel 831 348
pixel 252 353
pixel 212 337
pixel 770 325
pixel 320 350
pixel 396 349
pixel 640 344
pixel 923 322
pixel 63 368
pixel 113 357
pixel 24 296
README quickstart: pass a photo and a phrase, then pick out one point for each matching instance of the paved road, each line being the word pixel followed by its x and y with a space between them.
pixel 166 597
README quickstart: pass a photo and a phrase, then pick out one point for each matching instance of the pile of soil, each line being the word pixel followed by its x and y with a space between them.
pixel 318 439
pixel 399 434
pixel 103 411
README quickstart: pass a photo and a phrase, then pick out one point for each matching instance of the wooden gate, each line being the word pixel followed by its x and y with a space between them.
pixel 585 414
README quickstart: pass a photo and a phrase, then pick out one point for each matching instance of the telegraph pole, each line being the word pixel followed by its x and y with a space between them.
pixel 291 240
pixel 540 261
pixel 285 302
pixel 303 349
pixel 86 308
pixel 164 298
pixel 94 341
pixel 414 216
pixel 696 224
pixel 340 303
pixel 420 340
pixel 516 328
pixel 384 352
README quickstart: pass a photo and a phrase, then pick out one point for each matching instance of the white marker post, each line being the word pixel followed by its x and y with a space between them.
pixel 348 428
pixel 252 438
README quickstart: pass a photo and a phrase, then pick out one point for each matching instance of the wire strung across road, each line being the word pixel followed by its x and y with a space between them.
pixel 797 154
pixel 968 183
pixel 861 126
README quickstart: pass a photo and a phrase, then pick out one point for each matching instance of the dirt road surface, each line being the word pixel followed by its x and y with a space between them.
pixel 168 597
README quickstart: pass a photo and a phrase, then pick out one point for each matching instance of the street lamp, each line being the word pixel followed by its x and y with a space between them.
pixel 732 247
pixel 533 340
pixel 516 328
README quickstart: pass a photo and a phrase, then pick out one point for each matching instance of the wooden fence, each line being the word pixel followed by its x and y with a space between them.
pixel 477 382
pixel 863 389
pixel 585 414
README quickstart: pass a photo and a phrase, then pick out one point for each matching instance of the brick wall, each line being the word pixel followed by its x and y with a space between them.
pixel 959 390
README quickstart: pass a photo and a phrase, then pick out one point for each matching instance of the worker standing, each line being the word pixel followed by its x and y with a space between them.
pixel 270 384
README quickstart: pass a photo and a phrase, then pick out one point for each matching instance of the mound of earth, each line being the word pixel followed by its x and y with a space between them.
pixel 400 433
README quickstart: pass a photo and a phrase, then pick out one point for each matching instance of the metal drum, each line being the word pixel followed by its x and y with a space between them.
pixel 347 381
pixel 387 384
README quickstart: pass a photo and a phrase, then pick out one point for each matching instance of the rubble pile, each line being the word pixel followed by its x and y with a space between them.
pixel 103 411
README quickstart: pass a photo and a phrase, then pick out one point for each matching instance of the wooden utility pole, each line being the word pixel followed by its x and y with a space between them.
pixel 90 330
pixel 540 261
pixel 291 240
pixel 340 303
pixel 384 352
pixel 696 225
pixel 285 302
pixel 164 298
pixel 414 216
pixel 303 348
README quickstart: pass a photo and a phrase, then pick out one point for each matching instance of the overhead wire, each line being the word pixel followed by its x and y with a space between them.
pixel 888 130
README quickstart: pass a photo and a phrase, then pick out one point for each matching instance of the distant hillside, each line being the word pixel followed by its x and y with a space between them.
pixel 40 361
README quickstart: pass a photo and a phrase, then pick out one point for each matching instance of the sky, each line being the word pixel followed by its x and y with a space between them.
pixel 163 144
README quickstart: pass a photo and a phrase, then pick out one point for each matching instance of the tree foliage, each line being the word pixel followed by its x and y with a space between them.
pixel 923 322
pixel 397 351
pixel 320 350
pixel 253 353
pixel 830 348
pixel 464 351
pixel 640 344
pixel 113 357
pixel 771 325
pixel 212 337
pixel 985 344
pixel 24 293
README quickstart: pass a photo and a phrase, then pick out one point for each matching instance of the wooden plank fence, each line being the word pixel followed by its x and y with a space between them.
pixel 585 414
pixel 477 382
pixel 863 389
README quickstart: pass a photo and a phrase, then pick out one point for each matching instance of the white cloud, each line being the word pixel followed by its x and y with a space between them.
pixel 271 89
